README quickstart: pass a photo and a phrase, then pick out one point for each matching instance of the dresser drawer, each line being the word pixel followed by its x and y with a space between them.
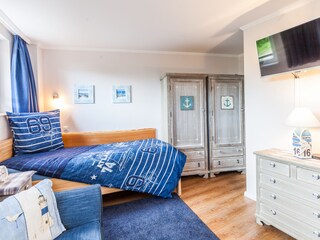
pixel 278 217
pixel 227 152
pixel 292 207
pixel 199 154
pixel 230 162
pixel 303 193
pixel 194 165
pixel 308 176
pixel 276 167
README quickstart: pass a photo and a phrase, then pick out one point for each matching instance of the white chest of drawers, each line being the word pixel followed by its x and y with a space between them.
pixel 288 193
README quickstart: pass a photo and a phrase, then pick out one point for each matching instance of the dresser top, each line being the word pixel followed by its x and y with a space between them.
pixel 286 156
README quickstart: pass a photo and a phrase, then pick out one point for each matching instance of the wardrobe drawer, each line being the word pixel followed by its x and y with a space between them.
pixel 274 166
pixel 199 154
pixel 308 176
pixel 311 195
pixel 194 165
pixel 230 162
pixel 227 151
pixel 291 206
pixel 278 217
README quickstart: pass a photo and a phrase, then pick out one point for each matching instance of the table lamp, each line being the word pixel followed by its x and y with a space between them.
pixel 302 119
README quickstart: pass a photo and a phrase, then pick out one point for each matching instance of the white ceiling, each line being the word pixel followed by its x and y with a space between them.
pixel 204 26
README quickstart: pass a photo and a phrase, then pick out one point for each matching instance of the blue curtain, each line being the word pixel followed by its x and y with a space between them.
pixel 23 86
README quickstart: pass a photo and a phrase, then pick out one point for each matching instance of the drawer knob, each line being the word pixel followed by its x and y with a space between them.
pixel 273 212
pixel 274 181
pixel 317 214
pixel 273 196
pixel 198 164
pixel 317 233
pixel 317 195
pixel 272 164
pixel 316 176
pixel 239 150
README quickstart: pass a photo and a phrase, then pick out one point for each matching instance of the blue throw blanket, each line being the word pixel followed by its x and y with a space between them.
pixel 150 166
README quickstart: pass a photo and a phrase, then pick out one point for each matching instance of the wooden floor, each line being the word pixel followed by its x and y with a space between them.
pixel 220 203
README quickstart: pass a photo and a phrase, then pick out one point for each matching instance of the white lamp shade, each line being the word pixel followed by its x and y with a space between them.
pixel 302 117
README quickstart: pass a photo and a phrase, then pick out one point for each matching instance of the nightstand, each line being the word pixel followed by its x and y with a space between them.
pixel 15 183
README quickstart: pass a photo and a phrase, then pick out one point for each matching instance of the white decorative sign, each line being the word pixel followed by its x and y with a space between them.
pixel 226 102
pixel 302 144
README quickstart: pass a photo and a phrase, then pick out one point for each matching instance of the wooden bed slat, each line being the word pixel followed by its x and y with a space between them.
pixel 59 185
pixel 6 149
pixel 77 139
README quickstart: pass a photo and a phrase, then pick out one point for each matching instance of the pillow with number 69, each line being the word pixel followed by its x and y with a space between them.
pixel 35 132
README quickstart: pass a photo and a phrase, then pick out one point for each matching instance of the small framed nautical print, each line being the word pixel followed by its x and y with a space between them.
pixel 227 103
pixel 186 103
pixel 121 94
pixel 83 94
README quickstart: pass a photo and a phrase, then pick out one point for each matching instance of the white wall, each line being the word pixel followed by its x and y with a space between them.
pixel 5 86
pixel 64 68
pixel 270 100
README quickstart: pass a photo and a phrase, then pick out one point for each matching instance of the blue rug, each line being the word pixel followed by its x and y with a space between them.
pixel 154 218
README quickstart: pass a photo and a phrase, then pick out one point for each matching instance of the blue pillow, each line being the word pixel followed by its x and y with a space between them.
pixel 35 132
pixel 31 214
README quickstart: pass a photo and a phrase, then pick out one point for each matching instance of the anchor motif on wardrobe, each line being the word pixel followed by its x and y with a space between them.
pixel 227 103
pixel 187 103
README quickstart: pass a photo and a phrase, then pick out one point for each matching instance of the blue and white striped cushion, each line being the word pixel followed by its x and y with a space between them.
pixel 36 132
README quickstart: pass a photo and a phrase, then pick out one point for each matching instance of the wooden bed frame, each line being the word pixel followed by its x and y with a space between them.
pixel 76 139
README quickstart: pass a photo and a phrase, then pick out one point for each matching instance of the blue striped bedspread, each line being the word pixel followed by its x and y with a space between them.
pixel 150 166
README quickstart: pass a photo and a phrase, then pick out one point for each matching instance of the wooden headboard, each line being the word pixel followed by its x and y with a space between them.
pixel 76 139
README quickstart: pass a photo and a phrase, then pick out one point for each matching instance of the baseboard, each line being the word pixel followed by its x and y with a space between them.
pixel 251 196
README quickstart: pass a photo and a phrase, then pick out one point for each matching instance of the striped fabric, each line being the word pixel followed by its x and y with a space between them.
pixel 31 214
pixel 149 165
pixel 15 182
pixel 35 132
pixel 49 164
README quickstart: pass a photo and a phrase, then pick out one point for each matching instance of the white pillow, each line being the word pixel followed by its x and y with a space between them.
pixel 31 214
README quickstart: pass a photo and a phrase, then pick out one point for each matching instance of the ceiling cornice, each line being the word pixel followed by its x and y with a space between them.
pixel 66 48
pixel 277 13
pixel 8 24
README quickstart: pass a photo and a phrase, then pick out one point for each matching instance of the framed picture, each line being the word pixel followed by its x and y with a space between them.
pixel 121 94
pixel 227 103
pixel 83 94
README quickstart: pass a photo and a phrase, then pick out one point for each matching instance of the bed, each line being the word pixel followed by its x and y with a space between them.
pixel 144 139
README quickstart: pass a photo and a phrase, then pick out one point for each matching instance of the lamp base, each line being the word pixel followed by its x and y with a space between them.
pixel 302 143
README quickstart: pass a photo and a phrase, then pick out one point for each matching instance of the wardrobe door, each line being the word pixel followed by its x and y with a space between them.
pixel 188 121
pixel 226 123
pixel 227 113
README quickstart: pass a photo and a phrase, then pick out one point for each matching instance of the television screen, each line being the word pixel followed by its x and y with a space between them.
pixel 291 50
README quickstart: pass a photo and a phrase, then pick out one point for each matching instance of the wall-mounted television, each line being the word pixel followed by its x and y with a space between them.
pixel 291 50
